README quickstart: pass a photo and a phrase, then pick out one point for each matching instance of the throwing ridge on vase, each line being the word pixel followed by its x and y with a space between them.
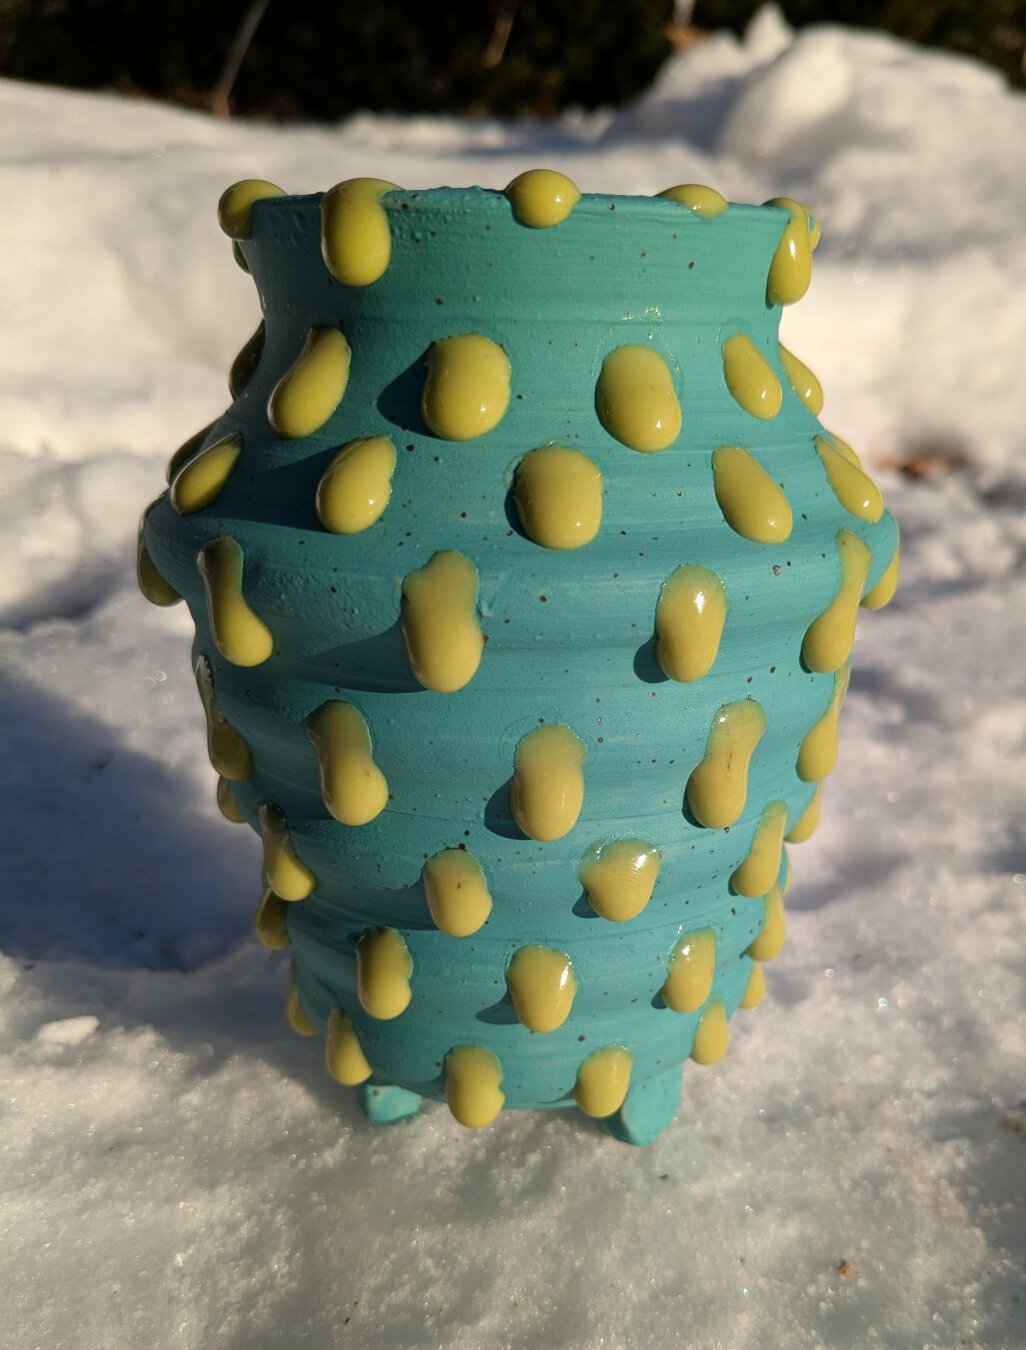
pixel 525 583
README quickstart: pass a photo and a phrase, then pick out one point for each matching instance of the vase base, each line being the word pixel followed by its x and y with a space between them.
pixel 385 1104
pixel 648 1109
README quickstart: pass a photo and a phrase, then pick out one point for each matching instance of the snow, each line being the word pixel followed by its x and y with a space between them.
pixel 177 1168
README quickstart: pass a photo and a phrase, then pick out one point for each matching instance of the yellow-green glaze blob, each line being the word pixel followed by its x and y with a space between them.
pixel 844 449
pixel 753 505
pixel 690 614
pixel 186 451
pixel 295 1014
pixel 383 970
pixel 312 388
pixel 854 489
pixel 558 496
pixel 602 1081
pixel 542 986
pixel 228 751
pixel 233 210
pixel 227 804
pixel 542 198
pixel 635 398
pixel 689 974
pixel 472 1079
pixel 701 201
pixel 202 477
pixel 829 639
pixel 439 622
pixel 546 792
pixel 817 754
pixel 883 592
pixel 154 587
pixel 356 242
pixel 712 1035
pixel 343 1053
pixel 619 878
pixel 770 940
pixel 718 787
pixel 241 636
pixel 456 892
pixel 246 362
pixel 802 381
pixel 791 269
pixel 750 378
pixel 239 256
pixel 356 485
pixel 761 867
pixel 755 989
pixel 271 926
pixel 466 393
pixel 352 786
pixel 805 826
pixel 289 878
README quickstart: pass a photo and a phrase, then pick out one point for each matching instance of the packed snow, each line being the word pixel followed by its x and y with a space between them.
pixel 176 1168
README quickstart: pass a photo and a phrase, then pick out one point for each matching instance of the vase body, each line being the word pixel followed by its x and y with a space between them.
pixel 567 638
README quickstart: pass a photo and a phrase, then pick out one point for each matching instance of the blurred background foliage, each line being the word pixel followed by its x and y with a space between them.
pixel 323 59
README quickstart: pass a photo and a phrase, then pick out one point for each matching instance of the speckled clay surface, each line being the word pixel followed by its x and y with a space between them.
pixel 568 633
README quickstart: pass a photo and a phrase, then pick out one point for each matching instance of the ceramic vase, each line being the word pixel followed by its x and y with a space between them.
pixel 525 582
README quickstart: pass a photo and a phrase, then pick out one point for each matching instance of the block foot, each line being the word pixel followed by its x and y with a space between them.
pixel 648 1109
pixel 384 1103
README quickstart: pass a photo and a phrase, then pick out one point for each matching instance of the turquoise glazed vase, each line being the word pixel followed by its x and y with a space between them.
pixel 525 583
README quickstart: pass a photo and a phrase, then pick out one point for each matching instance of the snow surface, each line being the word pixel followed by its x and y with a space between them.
pixel 176 1169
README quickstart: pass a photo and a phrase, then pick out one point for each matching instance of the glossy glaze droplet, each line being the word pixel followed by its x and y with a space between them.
pixel 542 986
pixel 753 505
pixel 770 940
pixel 817 754
pixel 854 489
pixel 635 398
pixel 343 1053
pixel 558 496
pixel 712 1036
pixel 718 787
pixel 844 449
pixel 761 867
pixel 202 478
pixel 456 892
pixel 602 1081
pixel 542 198
pixel 241 636
pixel 356 485
pixel 289 878
pixel 228 751
pixel 701 201
pixel 791 269
pixel 546 792
pixel 156 588
pixel 271 925
pixel 186 451
pixel 236 204
pixel 755 989
pixel 246 362
pixel 805 826
pixel 689 619
pixel 467 389
pixel 883 592
pixel 619 878
pixel 356 242
pixel 829 639
pixel 383 970
pixel 689 974
pixel 802 381
pixel 227 804
pixel 311 389
pixel 439 622
pixel 352 786
pixel 295 1014
pixel 472 1078
pixel 750 378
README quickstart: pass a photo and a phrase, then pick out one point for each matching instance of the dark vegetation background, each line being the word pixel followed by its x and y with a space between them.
pixel 322 59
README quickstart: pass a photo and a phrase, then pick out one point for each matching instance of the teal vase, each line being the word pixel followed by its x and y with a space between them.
pixel 525 583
